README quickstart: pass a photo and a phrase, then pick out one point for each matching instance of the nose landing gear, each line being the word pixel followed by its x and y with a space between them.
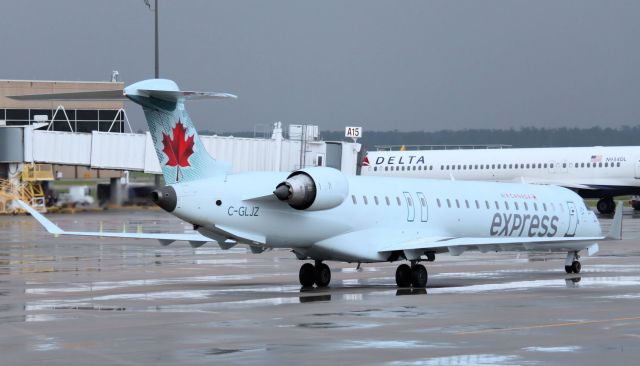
pixel 320 274
pixel 415 276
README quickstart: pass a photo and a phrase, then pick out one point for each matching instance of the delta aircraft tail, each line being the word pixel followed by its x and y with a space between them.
pixel 181 154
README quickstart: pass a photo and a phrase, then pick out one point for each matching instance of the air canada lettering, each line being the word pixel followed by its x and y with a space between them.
pixel 530 225
pixel 401 160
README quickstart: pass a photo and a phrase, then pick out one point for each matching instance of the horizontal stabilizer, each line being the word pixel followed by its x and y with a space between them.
pixel 97 95
pixel 165 239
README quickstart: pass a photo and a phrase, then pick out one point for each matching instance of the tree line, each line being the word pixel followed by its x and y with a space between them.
pixel 521 137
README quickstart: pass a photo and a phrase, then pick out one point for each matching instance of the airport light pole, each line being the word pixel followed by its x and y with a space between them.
pixel 156 178
pixel 157 48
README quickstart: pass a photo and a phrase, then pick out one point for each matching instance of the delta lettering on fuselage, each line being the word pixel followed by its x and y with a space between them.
pixel 504 224
pixel 391 160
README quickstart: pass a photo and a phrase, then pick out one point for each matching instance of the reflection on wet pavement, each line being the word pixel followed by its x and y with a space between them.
pixel 79 301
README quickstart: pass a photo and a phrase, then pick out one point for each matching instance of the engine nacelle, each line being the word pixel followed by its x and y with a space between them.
pixel 314 189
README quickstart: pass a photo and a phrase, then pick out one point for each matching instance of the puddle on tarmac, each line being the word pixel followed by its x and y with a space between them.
pixel 334 325
pixel 462 360
pixel 553 349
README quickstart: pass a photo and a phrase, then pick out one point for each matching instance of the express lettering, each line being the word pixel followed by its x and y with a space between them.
pixel 504 224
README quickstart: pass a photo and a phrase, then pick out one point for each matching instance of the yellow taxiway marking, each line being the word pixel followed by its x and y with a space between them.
pixel 552 325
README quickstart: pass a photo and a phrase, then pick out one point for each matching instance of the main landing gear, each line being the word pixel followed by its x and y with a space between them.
pixel 606 205
pixel 415 276
pixel 320 275
pixel 571 263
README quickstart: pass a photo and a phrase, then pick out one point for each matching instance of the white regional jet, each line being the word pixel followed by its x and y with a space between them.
pixel 593 172
pixel 323 215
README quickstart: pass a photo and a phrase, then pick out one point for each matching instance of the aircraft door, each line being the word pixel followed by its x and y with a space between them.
pixel 411 209
pixel 573 219
pixel 424 209
pixel 637 175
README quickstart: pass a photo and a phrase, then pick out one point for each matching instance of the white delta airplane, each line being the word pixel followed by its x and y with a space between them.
pixel 323 215
pixel 602 172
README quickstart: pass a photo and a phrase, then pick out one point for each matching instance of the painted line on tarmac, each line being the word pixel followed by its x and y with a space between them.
pixel 552 325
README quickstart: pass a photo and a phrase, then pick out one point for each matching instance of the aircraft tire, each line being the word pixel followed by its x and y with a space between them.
pixel 606 206
pixel 323 275
pixel 403 276
pixel 307 275
pixel 568 269
pixel 419 276
pixel 576 267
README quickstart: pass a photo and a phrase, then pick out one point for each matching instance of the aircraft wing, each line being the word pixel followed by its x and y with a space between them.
pixel 195 239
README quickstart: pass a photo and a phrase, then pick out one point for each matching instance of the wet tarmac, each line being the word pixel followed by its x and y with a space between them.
pixel 81 301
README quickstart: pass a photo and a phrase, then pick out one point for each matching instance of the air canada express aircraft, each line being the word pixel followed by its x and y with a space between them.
pixel 323 215
pixel 601 172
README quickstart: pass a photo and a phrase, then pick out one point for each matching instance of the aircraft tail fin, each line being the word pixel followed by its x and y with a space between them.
pixel 181 154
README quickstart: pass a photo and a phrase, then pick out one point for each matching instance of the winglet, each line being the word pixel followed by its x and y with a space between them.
pixel 615 231
pixel 50 226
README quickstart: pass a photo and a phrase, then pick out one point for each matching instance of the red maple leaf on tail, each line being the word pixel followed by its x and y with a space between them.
pixel 178 149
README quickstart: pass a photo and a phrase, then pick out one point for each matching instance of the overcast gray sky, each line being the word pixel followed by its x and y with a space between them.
pixel 407 65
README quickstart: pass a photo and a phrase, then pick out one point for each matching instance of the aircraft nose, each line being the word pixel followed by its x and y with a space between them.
pixel 165 197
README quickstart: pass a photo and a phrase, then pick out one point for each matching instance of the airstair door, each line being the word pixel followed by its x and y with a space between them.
pixel 573 219
pixel 411 209
pixel 424 209
pixel 637 175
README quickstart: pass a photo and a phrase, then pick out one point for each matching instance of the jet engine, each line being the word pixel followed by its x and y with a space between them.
pixel 313 189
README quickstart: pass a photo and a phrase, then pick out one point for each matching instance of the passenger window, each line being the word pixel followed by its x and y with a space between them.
pixel 464 167
pixel 545 165
pixel 581 165
pixel 515 204
pixel 510 166
pixel 364 199
pixel 515 166
pixel 551 166
pixel 458 166
pixel 457 203
pixel 353 198
pixel 386 198
pixel 441 167
pixel 475 167
pixel 544 207
pixel 535 206
pixel 375 199
pixel 375 168
pixel 438 201
pixel 399 202
pixel 539 166
pixel 564 165
pixel 506 205
pixel 477 204
pixel 422 202
pixel 588 165
pixel 397 168
pixel 487 203
pixel 606 165
pixel 498 166
pixel 526 207
pixel 497 205
pixel 447 167
pixel 522 166
pixel 466 202
pixel 430 167
pixel 618 164
pixel 449 203
pixel 386 168
pixel 527 166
